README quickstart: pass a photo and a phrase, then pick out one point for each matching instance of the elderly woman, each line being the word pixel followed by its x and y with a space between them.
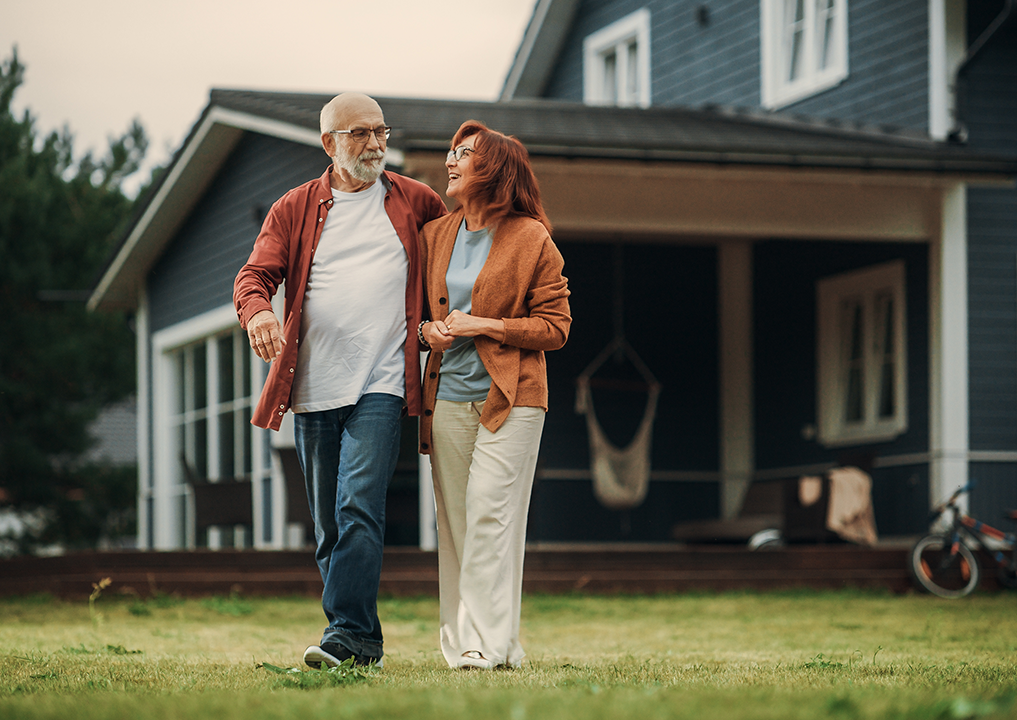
pixel 498 301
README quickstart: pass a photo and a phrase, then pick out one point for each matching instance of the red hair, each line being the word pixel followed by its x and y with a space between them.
pixel 502 181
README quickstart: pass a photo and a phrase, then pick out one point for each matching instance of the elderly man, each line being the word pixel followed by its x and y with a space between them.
pixel 346 358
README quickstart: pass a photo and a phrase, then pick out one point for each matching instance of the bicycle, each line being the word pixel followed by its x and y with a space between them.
pixel 943 563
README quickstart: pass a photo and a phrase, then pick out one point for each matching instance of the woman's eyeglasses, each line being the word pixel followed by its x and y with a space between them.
pixel 459 153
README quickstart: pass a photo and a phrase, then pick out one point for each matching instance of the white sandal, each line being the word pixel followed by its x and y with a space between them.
pixel 475 659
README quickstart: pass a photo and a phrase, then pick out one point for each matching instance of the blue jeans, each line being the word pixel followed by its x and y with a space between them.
pixel 348 456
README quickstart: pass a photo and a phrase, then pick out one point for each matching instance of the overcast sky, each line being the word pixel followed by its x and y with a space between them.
pixel 94 65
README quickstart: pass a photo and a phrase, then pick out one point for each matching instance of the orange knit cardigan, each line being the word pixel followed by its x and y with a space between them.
pixel 522 283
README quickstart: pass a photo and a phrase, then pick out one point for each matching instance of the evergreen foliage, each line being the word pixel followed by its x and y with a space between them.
pixel 59 363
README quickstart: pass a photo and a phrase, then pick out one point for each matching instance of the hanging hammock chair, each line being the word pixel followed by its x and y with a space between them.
pixel 621 476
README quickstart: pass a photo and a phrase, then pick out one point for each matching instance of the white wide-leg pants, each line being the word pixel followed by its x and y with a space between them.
pixel 482 484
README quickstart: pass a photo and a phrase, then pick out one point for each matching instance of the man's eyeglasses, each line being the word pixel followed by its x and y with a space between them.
pixel 459 153
pixel 362 135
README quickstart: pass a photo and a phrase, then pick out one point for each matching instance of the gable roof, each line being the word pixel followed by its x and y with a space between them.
pixel 708 135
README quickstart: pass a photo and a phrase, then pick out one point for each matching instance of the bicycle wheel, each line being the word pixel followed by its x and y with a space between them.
pixel 942 572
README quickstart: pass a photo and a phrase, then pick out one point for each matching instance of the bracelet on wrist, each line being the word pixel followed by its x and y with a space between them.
pixel 420 332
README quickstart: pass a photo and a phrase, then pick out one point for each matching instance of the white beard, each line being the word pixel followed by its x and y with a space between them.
pixel 356 166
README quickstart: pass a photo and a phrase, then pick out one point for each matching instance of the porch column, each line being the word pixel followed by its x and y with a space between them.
pixel 737 403
pixel 146 531
pixel 948 351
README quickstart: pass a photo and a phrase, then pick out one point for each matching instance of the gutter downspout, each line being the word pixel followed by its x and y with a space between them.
pixel 959 133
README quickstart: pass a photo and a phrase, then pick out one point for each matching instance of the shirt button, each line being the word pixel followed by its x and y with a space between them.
pixel 433 375
pixel 427 413
pixel 291 369
pixel 282 407
pixel 442 301
pixel 321 220
pixel 423 446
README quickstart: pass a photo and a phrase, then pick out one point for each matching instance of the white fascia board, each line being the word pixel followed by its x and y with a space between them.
pixel 939 87
pixel 266 126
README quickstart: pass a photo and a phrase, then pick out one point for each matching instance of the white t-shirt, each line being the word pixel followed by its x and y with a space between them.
pixel 353 324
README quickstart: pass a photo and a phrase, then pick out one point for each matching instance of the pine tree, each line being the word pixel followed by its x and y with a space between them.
pixel 59 363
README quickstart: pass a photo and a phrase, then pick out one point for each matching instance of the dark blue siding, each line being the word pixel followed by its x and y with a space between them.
pixel 196 272
pixel 990 112
pixel 995 492
pixel 992 312
pixel 785 320
pixel 690 64
pixel 695 64
pixel 719 62
pixel 888 60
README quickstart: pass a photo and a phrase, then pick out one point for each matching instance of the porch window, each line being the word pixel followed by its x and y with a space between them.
pixel 804 48
pixel 862 354
pixel 210 418
pixel 616 63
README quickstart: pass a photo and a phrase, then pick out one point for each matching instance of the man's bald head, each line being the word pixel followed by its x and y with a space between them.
pixel 339 111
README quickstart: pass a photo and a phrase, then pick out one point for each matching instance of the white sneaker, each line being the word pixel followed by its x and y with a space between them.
pixel 333 654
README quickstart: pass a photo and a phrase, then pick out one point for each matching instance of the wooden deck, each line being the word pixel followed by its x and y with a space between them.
pixel 407 571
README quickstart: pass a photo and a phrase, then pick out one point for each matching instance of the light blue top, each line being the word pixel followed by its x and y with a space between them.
pixel 463 377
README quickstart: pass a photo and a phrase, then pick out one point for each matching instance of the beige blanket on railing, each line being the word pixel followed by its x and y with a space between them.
pixel 849 512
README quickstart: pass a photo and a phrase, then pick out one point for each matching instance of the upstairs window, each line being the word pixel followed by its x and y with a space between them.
pixel 804 48
pixel 862 356
pixel 616 63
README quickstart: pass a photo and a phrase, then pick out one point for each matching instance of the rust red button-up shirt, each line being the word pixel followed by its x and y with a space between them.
pixel 285 249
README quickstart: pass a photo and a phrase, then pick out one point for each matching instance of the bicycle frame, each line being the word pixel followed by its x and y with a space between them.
pixel 978 531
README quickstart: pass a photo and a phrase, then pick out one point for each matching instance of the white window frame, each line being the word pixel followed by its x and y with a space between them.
pixel 627 42
pixel 865 288
pixel 777 24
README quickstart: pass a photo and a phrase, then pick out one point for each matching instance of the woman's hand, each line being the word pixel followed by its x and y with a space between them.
pixel 459 324
pixel 437 336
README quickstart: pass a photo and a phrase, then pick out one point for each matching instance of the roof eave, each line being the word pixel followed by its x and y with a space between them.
pixel 542 41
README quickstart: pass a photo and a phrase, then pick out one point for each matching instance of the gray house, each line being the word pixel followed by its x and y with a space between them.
pixel 757 200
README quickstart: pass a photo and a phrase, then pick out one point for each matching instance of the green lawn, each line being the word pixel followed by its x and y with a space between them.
pixel 731 655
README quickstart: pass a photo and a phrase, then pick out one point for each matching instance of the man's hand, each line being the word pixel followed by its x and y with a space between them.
pixel 265 334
